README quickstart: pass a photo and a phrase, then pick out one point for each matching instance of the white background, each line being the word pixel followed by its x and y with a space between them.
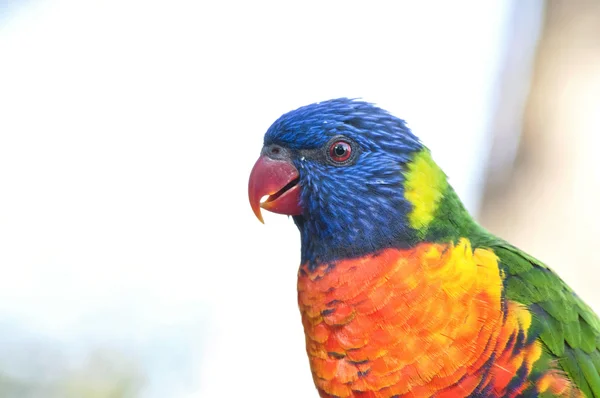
pixel 127 133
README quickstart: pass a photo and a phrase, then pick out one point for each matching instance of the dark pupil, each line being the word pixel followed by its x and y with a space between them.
pixel 339 150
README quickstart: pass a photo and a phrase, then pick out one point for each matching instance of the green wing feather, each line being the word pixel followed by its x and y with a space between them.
pixel 568 328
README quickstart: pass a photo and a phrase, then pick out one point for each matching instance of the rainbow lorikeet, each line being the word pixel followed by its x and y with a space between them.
pixel 401 292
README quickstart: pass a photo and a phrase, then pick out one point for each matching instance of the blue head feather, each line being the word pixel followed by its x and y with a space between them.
pixel 354 209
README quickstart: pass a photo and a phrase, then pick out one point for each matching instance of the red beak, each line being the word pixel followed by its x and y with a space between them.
pixel 278 179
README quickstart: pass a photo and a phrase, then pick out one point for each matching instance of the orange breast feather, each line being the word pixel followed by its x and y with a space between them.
pixel 426 321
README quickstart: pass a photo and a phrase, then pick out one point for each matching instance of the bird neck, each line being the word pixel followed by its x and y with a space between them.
pixel 422 207
pixel 328 241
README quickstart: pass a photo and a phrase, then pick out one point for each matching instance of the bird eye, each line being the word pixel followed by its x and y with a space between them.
pixel 340 151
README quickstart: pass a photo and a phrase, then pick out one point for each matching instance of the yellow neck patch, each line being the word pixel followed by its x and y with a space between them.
pixel 424 188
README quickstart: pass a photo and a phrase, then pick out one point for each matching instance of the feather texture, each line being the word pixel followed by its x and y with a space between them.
pixel 432 320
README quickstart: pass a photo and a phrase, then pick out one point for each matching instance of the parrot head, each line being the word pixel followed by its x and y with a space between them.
pixel 353 176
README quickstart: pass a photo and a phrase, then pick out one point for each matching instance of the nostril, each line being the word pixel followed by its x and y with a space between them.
pixel 274 151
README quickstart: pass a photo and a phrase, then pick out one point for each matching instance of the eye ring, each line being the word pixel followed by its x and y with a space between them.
pixel 340 151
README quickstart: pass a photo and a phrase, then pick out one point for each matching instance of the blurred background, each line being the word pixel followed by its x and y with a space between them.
pixel 130 262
